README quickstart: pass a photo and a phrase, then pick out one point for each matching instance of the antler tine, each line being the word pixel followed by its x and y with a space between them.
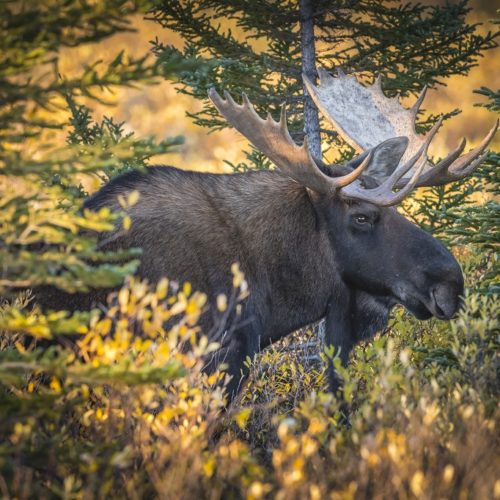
pixel 419 101
pixel 396 198
pixel 282 121
pixel 440 167
pixel 401 170
pixel 455 167
pixel 384 196
pixel 229 98
pixel 348 179
pixel 273 139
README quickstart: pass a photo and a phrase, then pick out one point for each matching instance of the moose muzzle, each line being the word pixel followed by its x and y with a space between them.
pixel 446 298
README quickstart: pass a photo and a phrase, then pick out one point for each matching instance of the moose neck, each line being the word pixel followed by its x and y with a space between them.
pixel 287 236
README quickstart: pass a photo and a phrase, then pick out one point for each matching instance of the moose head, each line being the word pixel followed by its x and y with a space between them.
pixel 378 252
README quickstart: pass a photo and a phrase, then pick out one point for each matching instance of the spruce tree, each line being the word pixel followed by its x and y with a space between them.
pixel 43 237
pixel 262 48
pixel 46 240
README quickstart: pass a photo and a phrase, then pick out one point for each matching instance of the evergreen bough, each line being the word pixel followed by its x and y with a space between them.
pixel 43 238
pixel 262 48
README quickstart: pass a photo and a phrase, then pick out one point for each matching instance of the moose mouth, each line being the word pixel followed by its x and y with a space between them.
pixel 434 305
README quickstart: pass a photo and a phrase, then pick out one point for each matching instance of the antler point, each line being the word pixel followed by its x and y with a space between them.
pixel 228 97
pixel 246 102
pixel 419 100
pixel 282 121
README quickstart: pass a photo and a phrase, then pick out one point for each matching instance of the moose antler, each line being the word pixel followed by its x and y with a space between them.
pixel 384 195
pixel 365 117
pixel 455 167
pixel 368 120
pixel 273 139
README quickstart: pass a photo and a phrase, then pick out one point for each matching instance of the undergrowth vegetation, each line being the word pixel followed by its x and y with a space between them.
pixel 115 412
pixel 114 403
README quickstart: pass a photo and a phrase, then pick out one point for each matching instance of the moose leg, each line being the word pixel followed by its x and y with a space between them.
pixel 236 346
pixel 358 318
pixel 340 335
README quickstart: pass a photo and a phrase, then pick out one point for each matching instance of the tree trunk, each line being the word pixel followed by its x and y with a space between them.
pixel 311 119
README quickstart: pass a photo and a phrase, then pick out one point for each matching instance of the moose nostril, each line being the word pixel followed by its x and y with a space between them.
pixel 438 311
pixel 445 300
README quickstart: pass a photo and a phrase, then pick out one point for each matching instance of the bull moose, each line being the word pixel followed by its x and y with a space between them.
pixel 313 240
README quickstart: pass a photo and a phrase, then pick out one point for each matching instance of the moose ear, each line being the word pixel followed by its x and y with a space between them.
pixel 385 158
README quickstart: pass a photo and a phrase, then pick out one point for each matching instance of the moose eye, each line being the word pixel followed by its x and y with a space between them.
pixel 361 219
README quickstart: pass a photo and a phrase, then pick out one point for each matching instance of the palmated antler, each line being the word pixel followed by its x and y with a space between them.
pixel 273 139
pixel 365 117
pixel 455 167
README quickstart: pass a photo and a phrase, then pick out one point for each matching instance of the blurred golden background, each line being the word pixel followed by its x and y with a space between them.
pixel 160 111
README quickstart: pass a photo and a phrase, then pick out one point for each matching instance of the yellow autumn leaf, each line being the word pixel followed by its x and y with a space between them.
pixel 221 302
pixel 55 385
pixel 127 223
pixel 242 417
pixel 133 198
pixel 417 483
pixel 162 288
pixel 123 298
